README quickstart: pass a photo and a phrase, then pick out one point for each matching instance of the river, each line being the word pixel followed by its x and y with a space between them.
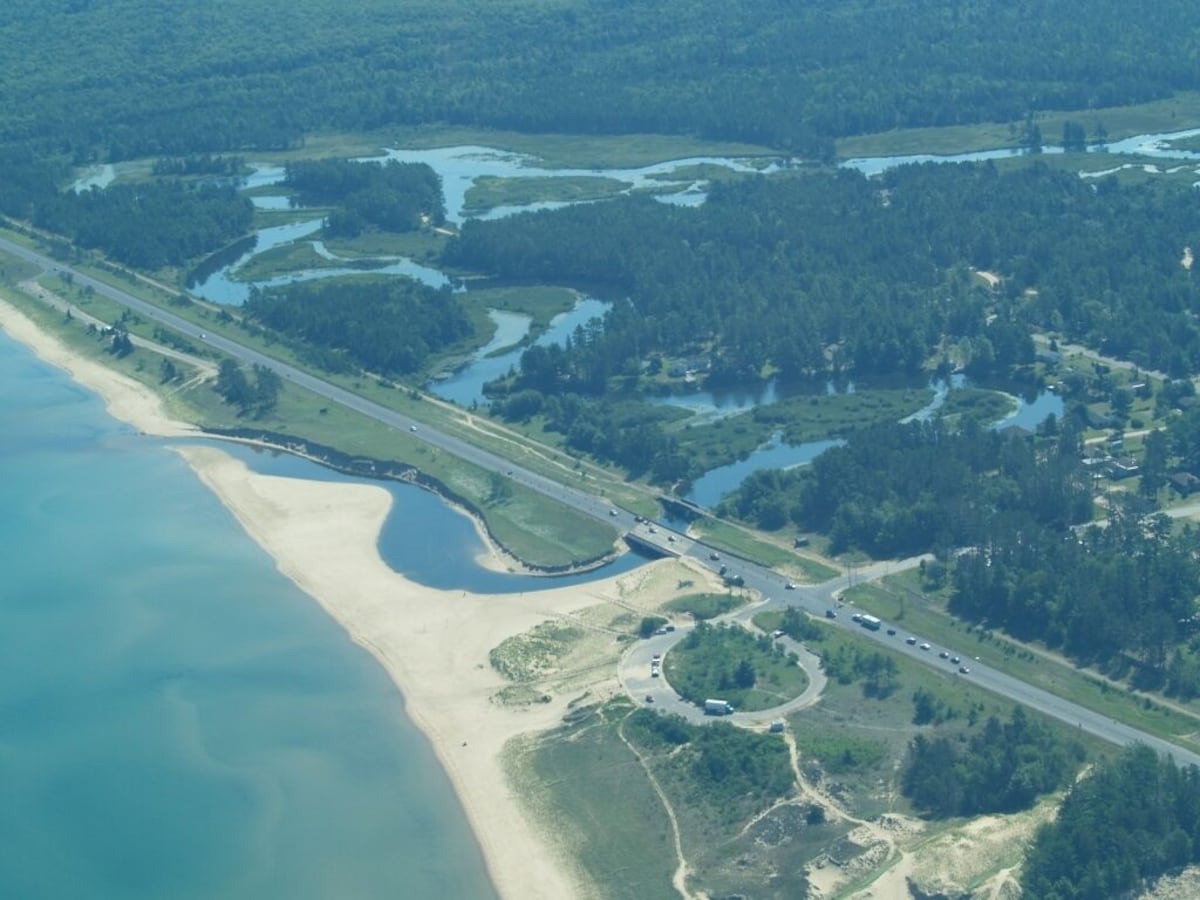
pixel 460 167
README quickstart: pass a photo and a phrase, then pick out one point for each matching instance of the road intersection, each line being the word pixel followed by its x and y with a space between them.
pixel 766 583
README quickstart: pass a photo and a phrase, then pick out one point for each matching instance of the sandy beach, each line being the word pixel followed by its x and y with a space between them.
pixel 434 644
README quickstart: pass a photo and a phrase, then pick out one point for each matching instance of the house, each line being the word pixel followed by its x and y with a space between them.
pixel 1122 467
pixel 1185 483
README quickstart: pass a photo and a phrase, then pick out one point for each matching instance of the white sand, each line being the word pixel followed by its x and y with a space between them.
pixel 434 644
pixel 126 399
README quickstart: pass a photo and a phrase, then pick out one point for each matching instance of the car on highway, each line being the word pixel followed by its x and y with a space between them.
pixel 944 655
pixel 656 657
pixel 830 614
pixel 955 660
pixel 964 670
pixel 714 555
pixel 778 633
pixel 924 646
pixel 612 512
pixel 790 586
pixel 891 631
pixel 671 538
pixel 412 427
pixel 910 640
pixel 654 673
pixel 649 698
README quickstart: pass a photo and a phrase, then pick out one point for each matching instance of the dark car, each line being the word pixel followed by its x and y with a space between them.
pixel 830 614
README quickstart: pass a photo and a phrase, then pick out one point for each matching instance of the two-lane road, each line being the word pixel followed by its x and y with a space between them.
pixel 811 599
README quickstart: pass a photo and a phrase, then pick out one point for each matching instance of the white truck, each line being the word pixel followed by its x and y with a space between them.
pixel 869 622
pixel 717 708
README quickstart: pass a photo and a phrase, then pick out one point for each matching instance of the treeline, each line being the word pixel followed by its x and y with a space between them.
pixel 1002 768
pixel 896 490
pixel 1119 596
pixel 258 396
pixel 625 431
pixel 149 78
pixel 393 196
pixel 387 326
pixel 1125 825
pixel 150 225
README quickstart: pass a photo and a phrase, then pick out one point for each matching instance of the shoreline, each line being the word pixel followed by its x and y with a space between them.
pixel 433 644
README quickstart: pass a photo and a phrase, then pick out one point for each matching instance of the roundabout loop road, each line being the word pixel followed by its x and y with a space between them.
pixel 634 675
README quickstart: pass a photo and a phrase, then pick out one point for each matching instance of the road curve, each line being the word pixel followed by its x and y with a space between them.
pixel 767 583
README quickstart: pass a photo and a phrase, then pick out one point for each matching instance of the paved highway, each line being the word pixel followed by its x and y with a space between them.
pixel 811 599
pixel 817 599
pixel 580 500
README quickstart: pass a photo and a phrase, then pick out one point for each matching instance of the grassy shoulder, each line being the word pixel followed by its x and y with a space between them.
pixel 900 599
pixel 744 543
pixel 529 526
pixel 707 605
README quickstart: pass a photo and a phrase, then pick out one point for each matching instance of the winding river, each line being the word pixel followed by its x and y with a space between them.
pixel 461 167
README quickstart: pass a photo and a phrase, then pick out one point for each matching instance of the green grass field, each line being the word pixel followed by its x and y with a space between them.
pixel 594 796
pixel 1174 114
pixel 488 192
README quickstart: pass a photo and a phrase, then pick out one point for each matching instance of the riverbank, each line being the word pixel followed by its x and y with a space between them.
pixel 433 644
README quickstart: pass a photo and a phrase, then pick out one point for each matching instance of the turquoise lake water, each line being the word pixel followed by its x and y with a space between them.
pixel 177 720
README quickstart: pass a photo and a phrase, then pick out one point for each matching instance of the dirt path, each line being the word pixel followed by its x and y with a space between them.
pixel 679 878
pixel 205 369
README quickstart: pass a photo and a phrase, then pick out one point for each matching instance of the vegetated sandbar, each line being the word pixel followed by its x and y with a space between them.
pixel 434 644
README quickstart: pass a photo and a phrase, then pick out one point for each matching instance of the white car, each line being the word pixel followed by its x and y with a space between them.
pixel 924 646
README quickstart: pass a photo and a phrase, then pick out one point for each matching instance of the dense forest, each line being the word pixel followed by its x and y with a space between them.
pixel 1003 767
pixel 1122 595
pixel 392 196
pixel 148 225
pixel 126 78
pixel 386 326
pixel 776 270
pixel 903 489
pixel 1126 824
